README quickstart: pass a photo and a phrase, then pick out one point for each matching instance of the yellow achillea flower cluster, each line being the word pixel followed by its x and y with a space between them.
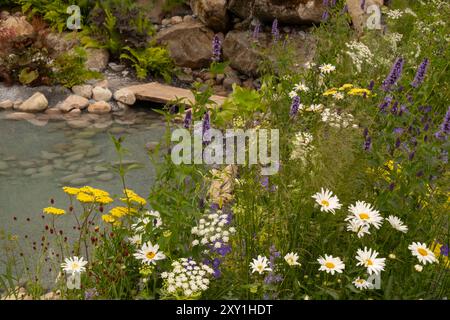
pixel 54 211
pixel 131 196
pixel 350 89
pixel 110 219
pixel 89 195
pixel 119 212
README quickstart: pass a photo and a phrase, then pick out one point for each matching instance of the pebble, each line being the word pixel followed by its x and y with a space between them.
pixel 71 177
pixel 79 182
pixel 3 165
pixel 49 155
pixel 76 157
pixel 30 171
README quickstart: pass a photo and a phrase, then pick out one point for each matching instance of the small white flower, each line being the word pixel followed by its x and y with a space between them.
pixel 149 254
pixel 330 264
pixel 327 68
pixel 195 243
pixel 292 94
pixel 301 87
pixel 364 214
pixel 423 254
pixel 362 284
pixel 74 265
pixel 418 268
pixel 260 265
pixel 356 227
pixel 292 259
pixel 327 201
pixel 397 224
pixel 368 259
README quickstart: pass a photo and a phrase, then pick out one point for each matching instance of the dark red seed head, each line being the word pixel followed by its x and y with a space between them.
pixel 70 208
pixel 15 218
pixel 60 232
pixel 28 219
pixel 52 201
pixel 46 227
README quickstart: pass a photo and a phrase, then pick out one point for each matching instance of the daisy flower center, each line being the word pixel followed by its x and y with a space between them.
pixel 422 252
pixel 150 255
pixel 260 267
pixel 325 203
pixel 330 265
pixel 364 216
pixel 75 266
pixel 369 262
pixel 360 281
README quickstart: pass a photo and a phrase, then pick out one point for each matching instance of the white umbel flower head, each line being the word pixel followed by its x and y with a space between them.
pixel 327 201
pixel 260 265
pixel 292 259
pixel 330 264
pixel 368 258
pixel 364 214
pixel 149 254
pixel 301 87
pixel 362 284
pixel 397 224
pixel 423 254
pixel 74 265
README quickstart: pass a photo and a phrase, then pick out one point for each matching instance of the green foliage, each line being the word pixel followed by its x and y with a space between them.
pixel 69 69
pixel 155 60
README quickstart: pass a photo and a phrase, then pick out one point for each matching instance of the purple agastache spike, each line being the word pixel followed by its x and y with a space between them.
pixel 294 106
pixel 188 119
pixel 333 3
pixel 420 74
pixel 256 31
pixel 444 156
pixel 371 85
pixel 368 143
pixel 394 108
pixel 411 155
pixel 325 3
pixel 217 48
pixel 444 130
pixel 265 182
pixel 365 132
pixel 325 15
pixel 399 130
pixel 394 75
pixel 363 4
pixel 387 101
pixel 275 31
pixel 444 250
pixel 206 125
pixel 397 142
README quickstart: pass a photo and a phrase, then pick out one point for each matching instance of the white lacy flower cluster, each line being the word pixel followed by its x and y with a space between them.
pixel 187 278
pixel 302 146
pixel 213 229
pixel 359 53
pixel 148 218
pixel 394 14
pixel 336 120
pixel 394 38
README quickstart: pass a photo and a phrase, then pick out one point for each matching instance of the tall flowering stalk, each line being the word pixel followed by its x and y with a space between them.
pixel 188 119
pixel 394 75
pixel 294 106
pixel 444 130
pixel 206 126
pixel 217 49
pixel 256 31
pixel 275 30
pixel 420 74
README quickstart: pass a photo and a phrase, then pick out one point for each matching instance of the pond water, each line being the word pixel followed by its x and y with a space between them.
pixel 37 160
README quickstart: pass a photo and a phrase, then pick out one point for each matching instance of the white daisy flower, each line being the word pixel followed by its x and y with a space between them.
pixel 418 267
pixel 331 264
pixel 362 284
pixel 397 224
pixel 136 239
pixel 260 265
pixel 292 259
pixel 292 94
pixel 354 226
pixel 368 259
pixel 422 253
pixel 327 68
pixel 301 87
pixel 327 201
pixel 74 265
pixel 149 254
pixel 338 96
pixel 364 214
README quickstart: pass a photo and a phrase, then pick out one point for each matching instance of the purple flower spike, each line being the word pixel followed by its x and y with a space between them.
pixel 368 143
pixel 444 130
pixel 294 106
pixel 217 48
pixel 275 31
pixel 206 128
pixel 363 4
pixel 256 31
pixel 394 75
pixel 325 15
pixel 420 75
pixel 188 119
